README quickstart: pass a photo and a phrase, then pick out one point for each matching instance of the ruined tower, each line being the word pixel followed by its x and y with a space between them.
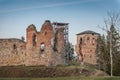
pixel 86 46
pixel 45 47
pixel 62 31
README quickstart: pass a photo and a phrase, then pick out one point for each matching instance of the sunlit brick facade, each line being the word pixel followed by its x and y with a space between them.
pixel 86 46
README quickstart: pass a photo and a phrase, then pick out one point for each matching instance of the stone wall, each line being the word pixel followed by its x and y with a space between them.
pixel 12 52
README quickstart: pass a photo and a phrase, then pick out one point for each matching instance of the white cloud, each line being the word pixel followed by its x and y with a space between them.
pixel 48 6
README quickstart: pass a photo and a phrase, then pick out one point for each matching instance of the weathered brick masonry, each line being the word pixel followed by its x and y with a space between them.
pixel 12 52
pixel 44 47
pixel 86 46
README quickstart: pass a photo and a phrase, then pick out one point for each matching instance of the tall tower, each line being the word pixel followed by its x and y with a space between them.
pixel 63 30
pixel 86 46
pixel 31 36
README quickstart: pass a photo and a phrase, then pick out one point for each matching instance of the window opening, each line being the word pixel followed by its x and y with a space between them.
pixel 14 46
pixel 34 40
pixel 42 46
pixel 93 34
pixel 52 42
pixel 80 40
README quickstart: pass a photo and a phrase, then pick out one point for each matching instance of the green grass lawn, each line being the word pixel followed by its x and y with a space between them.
pixel 66 78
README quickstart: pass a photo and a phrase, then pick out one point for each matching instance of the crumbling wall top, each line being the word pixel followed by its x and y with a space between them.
pixel 31 27
pixel 47 26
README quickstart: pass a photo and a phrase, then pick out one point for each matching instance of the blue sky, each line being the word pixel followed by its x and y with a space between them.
pixel 17 15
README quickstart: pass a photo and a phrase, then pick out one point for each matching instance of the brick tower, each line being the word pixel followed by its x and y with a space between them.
pixel 86 46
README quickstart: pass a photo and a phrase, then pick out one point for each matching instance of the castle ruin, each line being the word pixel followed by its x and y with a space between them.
pixel 86 46
pixel 44 47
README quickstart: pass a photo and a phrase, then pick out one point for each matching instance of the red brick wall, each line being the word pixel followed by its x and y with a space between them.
pixel 88 47
pixel 45 35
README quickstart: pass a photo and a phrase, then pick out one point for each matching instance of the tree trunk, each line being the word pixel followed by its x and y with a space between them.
pixel 111 57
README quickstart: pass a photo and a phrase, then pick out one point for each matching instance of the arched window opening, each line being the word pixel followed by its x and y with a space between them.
pixel 34 40
pixel 42 46
pixel 52 42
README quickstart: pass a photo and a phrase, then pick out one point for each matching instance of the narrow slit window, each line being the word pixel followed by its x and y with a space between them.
pixel 34 40
pixel 14 47
pixel 80 40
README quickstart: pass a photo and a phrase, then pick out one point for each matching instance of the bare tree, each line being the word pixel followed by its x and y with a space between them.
pixel 113 20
